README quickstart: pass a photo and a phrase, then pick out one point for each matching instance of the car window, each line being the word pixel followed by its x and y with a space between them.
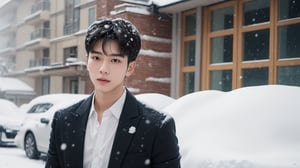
pixel 40 108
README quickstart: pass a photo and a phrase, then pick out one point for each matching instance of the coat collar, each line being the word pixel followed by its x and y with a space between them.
pixel 128 122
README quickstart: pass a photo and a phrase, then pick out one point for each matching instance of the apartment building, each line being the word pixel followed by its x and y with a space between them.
pixel 44 43
pixel 8 37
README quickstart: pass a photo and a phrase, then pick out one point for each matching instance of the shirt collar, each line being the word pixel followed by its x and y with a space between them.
pixel 115 109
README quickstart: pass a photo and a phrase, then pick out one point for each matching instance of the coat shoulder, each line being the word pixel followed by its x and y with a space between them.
pixel 153 116
pixel 77 109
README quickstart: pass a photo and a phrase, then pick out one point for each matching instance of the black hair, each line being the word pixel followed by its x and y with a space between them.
pixel 121 30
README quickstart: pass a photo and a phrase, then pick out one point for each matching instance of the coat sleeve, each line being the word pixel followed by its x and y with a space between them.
pixel 52 155
pixel 166 150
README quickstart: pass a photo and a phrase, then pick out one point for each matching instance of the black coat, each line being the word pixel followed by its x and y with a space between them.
pixel 153 143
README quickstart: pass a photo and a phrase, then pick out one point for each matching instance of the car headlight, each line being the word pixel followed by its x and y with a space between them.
pixel 11 130
pixel 8 130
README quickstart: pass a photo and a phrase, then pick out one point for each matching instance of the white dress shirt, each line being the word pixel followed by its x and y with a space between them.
pixel 99 137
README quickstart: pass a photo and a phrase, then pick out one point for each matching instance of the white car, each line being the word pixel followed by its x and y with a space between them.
pixel 10 120
pixel 35 130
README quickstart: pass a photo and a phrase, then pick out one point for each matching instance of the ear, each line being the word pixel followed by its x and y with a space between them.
pixel 130 68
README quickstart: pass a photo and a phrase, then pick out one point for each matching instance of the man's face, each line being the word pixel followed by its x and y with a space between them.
pixel 108 69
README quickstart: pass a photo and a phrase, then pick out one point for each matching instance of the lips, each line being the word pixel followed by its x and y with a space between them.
pixel 103 80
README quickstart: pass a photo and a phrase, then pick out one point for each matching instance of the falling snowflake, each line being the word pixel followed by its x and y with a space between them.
pixel 63 146
pixel 147 162
pixel 132 130
pixel 106 26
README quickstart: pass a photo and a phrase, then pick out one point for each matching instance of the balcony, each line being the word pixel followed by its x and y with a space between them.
pixel 45 61
pixel 39 39
pixel 40 13
pixel 7 67
pixel 71 28
pixel 8 49
pixel 7 28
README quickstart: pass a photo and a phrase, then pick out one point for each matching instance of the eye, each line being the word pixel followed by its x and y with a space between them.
pixel 115 60
pixel 95 58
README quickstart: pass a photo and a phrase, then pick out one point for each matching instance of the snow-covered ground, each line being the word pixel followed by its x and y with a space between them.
pixel 11 157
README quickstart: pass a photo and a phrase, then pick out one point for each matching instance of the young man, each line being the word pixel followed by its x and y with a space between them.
pixel 111 129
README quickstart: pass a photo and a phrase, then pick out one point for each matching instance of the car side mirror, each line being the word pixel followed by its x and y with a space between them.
pixel 44 121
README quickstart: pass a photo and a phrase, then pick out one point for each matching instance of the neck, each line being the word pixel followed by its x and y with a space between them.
pixel 105 100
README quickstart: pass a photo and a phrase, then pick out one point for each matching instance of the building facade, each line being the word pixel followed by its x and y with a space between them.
pixel 187 46
pixel 216 44
pixel 48 53
pixel 44 43
pixel 225 45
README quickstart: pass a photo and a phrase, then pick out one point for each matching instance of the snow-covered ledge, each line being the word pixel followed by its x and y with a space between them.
pixel 133 8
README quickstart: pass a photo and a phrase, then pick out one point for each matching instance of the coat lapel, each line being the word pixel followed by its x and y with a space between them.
pixel 126 129
pixel 77 132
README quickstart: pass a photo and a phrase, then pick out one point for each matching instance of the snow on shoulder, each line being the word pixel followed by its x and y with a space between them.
pixel 253 127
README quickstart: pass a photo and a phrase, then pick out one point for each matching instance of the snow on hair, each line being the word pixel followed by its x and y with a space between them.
pixel 115 29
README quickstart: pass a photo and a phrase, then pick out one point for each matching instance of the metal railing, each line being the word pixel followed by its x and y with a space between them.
pixel 8 44
pixel 40 33
pixel 40 6
pixel 39 62
pixel 71 28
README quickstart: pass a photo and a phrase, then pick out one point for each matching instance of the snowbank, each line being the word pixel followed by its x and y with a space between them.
pixel 253 127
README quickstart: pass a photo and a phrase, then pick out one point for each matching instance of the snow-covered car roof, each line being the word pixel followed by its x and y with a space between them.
pixel 10 114
pixel 59 99
pixel 8 107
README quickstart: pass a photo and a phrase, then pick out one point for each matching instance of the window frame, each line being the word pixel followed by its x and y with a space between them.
pixel 238 65
pixel 186 38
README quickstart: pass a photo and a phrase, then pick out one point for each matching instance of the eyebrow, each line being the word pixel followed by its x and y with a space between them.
pixel 101 53
pixel 96 52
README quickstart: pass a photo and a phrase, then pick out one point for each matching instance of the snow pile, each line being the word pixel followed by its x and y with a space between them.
pixel 155 100
pixel 10 115
pixel 252 127
pixel 12 84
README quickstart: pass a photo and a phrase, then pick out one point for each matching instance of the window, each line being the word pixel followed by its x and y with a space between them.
pixel 72 15
pixel 70 55
pixel 289 75
pixel 250 43
pixel 40 108
pixel 74 86
pixel 218 56
pixel 46 60
pixel 71 85
pixel 188 52
pixel 45 85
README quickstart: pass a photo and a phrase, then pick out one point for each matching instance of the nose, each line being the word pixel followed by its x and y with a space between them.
pixel 104 68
